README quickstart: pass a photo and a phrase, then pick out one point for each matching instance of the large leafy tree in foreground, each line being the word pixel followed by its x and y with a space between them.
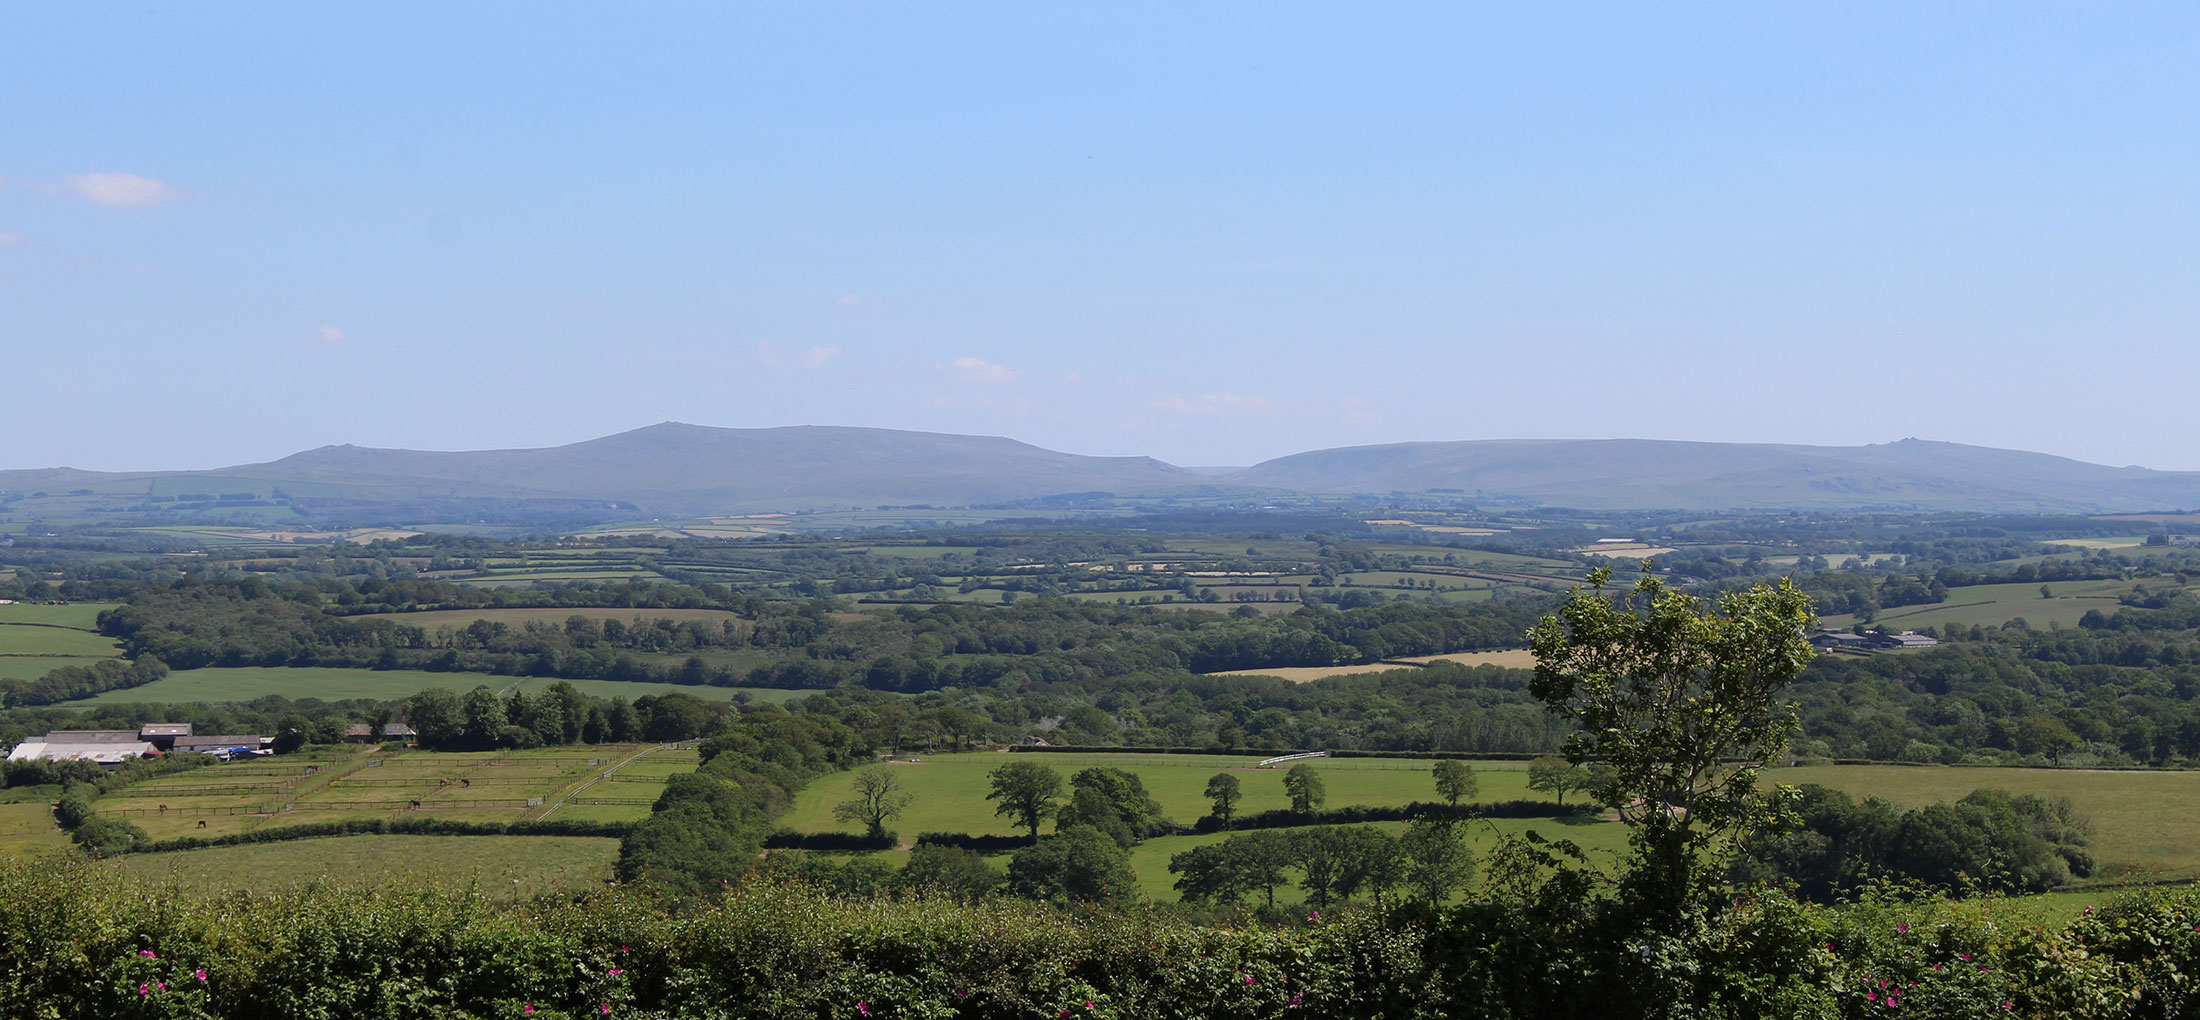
pixel 1682 704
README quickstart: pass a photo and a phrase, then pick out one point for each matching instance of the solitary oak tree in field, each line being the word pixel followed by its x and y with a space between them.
pixel 1556 774
pixel 1224 791
pixel 1455 781
pixel 1304 785
pixel 1026 791
pixel 879 798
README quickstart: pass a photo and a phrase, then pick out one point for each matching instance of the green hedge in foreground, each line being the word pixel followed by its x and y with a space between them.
pixel 77 942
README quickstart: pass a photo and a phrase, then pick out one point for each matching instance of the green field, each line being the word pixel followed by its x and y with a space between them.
pixel 244 683
pixel 951 788
pixel 26 824
pixel 31 667
pixel 75 615
pixel 1991 605
pixel 33 639
pixel 37 639
pixel 2146 825
pixel 502 867
pixel 336 784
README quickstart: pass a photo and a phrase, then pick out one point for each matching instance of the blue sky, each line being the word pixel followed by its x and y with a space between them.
pixel 1210 233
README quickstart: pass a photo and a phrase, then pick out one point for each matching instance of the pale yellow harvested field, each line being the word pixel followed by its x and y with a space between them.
pixel 1511 658
pixel 1442 529
pixel 1626 551
pixel 360 535
pixel 703 531
pixel 1303 674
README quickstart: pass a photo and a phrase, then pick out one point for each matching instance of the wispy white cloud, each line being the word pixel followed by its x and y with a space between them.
pixel 120 191
pixel 331 335
pixel 8 240
pixel 816 357
pixel 980 370
pixel 857 300
pixel 1214 404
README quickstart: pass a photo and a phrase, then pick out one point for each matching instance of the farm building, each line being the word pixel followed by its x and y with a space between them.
pixel 93 737
pixel 364 733
pixel 102 752
pixel 163 735
pixel 107 747
pixel 1832 639
pixel 1906 639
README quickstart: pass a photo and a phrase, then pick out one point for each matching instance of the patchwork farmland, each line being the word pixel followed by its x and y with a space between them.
pixel 607 783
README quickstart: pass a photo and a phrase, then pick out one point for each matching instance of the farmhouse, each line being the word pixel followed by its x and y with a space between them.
pixel 364 733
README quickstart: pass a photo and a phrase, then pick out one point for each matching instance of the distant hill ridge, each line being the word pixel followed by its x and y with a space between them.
pixel 679 468
pixel 675 469
pixel 1912 474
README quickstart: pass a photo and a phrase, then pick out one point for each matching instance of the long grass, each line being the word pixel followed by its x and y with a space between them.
pixel 503 867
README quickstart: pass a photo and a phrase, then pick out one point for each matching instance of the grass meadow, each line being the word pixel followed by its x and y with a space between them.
pixel 244 683
pixel 37 639
pixel 502 867
pixel 26 821
pixel 45 641
pixel 2146 824
pixel 31 667
pixel 602 783
pixel 1991 605
pixel 950 789
pixel 74 615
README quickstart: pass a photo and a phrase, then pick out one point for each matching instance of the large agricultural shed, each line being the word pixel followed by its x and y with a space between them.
pixel 105 747
pixel 103 752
